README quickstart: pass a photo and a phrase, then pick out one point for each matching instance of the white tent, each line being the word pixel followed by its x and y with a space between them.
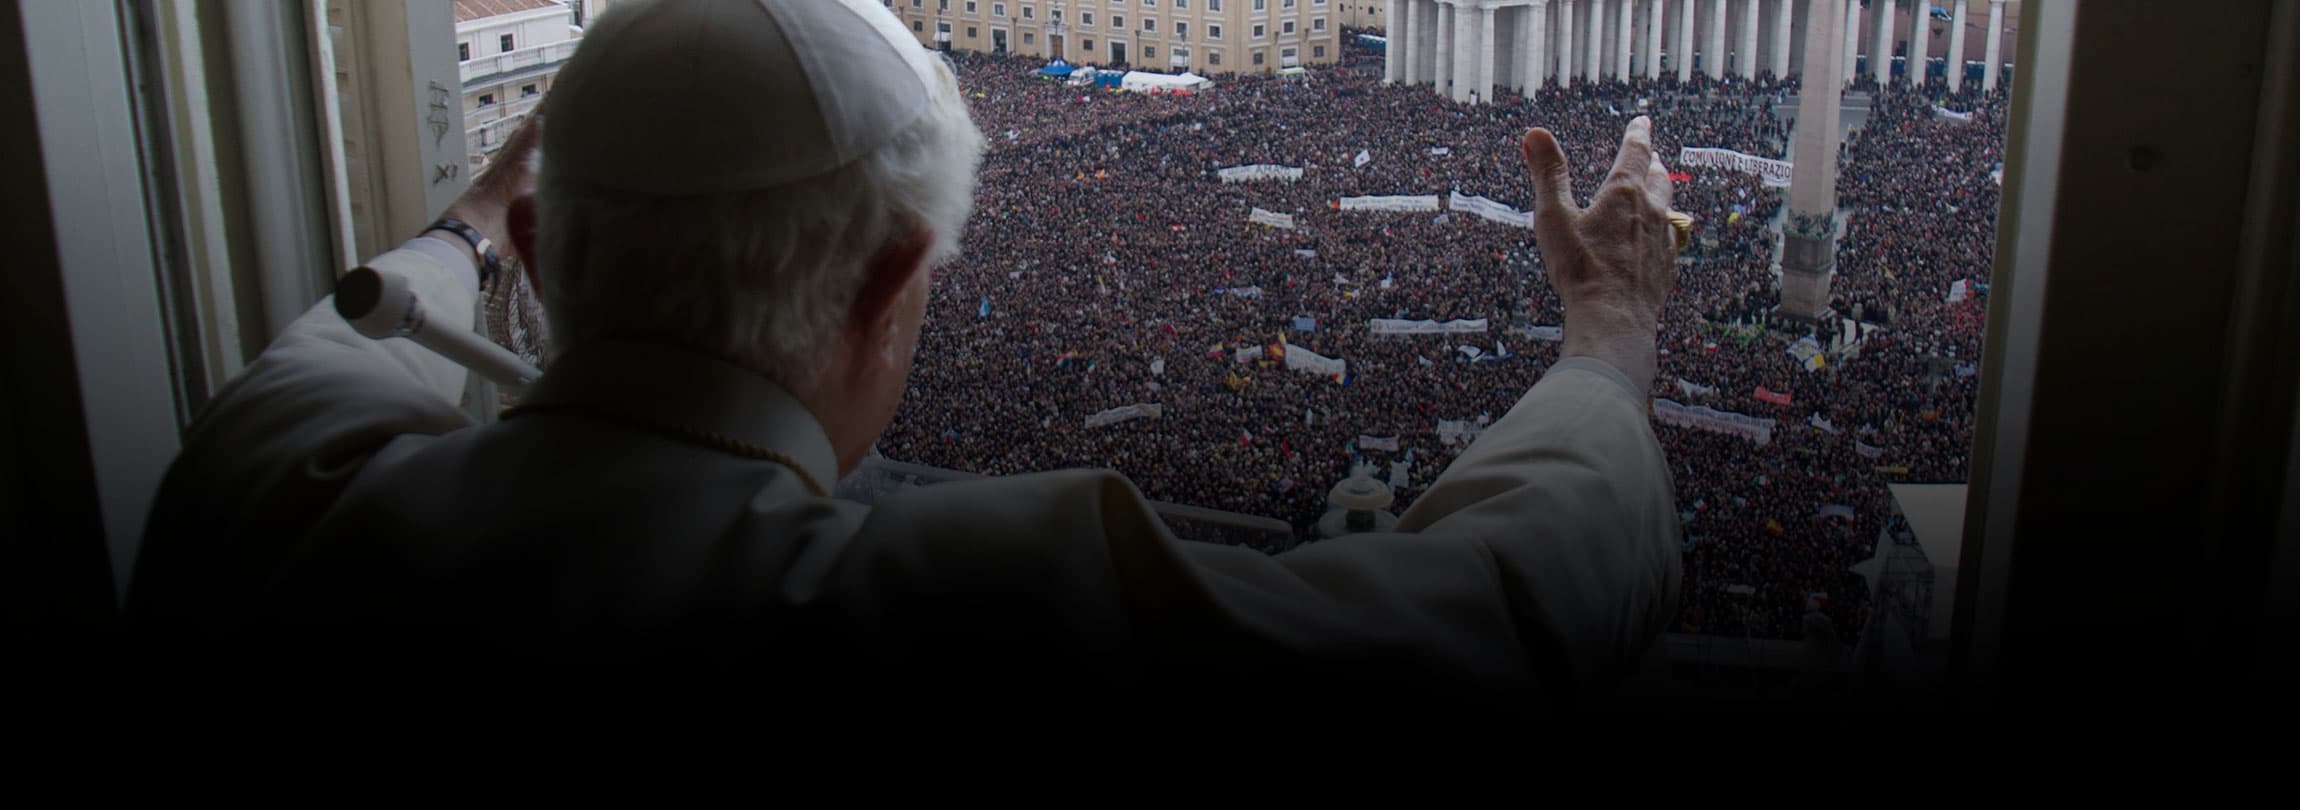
pixel 1137 81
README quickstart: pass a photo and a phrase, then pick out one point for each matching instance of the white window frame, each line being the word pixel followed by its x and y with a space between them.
pixel 1213 31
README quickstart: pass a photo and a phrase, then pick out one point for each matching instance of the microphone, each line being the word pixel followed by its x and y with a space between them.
pixel 381 305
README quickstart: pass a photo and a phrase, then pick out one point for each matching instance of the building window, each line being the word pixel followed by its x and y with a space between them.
pixel 1086 45
pixel 997 9
pixel 1030 12
pixel 1149 23
pixel 1029 38
pixel 1181 3
pixel 917 26
pixel 942 5
pixel 1182 29
pixel 1213 5
pixel 1261 5
pixel 918 3
pixel 527 91
pixel 1181 54
pixel 1118 21
pixel 1289 28
pixel 970 33
pixel 1260 31
pixel 1318 24
pixel 1149 52
pixel 1214 58
pixel 1288 4
pixel 1286 57
pixel 1257 57
pixel 506 40
pixel 1213 32
pixel 1085 18
pixel 486 99
pixel 1318 51
pixel 463 51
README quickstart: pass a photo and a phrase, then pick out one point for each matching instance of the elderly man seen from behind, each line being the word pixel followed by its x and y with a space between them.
pixel 739 207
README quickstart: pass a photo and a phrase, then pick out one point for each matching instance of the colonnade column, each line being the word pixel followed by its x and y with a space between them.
pixel 1747 60
pixel 1624 37
pixel 1442 63
pixel 1653 16
pixel 1565 43
pixel 1485 56
pixel 1852 36
pixel 1956 56
pixel 1993 52
pixel 1537 46
pixel 1393 53
pixel 1920 30
pixel 1684 40
pixel 1781 38
pixel 1881 43
pixel 1713 57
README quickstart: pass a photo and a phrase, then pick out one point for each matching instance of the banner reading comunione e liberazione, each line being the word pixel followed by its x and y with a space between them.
pixel 1774 173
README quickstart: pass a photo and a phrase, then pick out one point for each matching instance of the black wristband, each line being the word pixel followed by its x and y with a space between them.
pixel 489 263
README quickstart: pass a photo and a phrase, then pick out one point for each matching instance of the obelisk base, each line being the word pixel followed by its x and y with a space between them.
pixel 1807 262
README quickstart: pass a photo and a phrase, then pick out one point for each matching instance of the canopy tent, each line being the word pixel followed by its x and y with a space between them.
pixel 1146 82
pixel 1056 69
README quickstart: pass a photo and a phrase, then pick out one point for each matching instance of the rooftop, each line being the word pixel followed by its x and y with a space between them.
pixel 468 10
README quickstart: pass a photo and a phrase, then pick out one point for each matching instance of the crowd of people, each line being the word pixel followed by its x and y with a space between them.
pixel 1107 265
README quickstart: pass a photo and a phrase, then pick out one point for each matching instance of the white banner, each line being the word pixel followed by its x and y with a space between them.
pixel 1867 450
pixel 1458 431
pixel 1364 157
pixel 1394 326
pixel 1552 334
pixel 1301 359
pixel 1241 292
pixel 1366 442
pixel 1775 173
pixel 1672 412
pixel 1959 290
pixel 1692 389
pixel 1258 171
pixel 1441 150
pixel 1400 474
pixel 1945 112
pixel 1271 218
pixel 1491 210
pixel 1394 202
pixel 1125 413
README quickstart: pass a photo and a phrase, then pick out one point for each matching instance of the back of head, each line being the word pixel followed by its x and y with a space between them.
pixel 716 173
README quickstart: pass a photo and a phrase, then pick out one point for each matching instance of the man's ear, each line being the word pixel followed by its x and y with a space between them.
pixel 519 219
pixel 890 271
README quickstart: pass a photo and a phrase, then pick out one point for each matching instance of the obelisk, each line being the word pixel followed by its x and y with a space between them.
pixel 1809 243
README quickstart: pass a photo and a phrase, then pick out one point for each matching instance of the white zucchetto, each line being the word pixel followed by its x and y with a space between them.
pixel 678 97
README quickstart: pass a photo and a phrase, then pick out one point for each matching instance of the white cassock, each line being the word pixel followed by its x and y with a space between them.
pixel 336 486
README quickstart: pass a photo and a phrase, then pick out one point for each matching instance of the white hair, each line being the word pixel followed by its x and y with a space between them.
pixel 761 278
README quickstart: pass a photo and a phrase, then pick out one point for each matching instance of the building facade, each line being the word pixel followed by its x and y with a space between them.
pixel 509 52
pixel 1209 37
pixel 1475 49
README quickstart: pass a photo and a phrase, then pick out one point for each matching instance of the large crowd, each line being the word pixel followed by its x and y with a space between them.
pixel 1106 265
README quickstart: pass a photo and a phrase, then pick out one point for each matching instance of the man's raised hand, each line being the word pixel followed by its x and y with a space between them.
pixel 1612 263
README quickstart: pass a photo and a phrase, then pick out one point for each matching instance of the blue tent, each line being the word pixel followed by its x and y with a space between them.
pixel 1057 69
